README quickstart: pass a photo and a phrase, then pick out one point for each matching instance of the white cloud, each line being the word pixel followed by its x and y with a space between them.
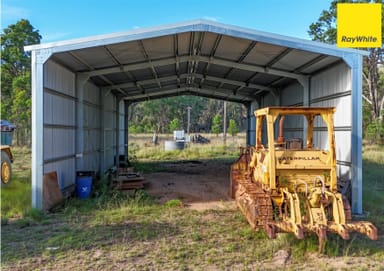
pixel 210 18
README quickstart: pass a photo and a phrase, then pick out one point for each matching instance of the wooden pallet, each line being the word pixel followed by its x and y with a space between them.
pixel 126 179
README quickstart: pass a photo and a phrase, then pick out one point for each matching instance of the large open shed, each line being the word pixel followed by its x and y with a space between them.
pixel 82 88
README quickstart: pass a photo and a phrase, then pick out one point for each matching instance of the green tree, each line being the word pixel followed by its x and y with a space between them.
pixel 157 114
pixel 232 127
pixel 174 125
pixel 216 126
pixel 324 30
pixel 21 107
pixel 16 76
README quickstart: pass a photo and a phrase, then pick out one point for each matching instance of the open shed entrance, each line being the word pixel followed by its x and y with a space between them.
pixel 81 89
pixel 197 175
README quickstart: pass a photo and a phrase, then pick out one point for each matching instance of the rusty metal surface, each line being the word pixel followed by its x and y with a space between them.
pixel 280 190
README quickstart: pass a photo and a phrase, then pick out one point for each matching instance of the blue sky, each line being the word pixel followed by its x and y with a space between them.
pixel 68 19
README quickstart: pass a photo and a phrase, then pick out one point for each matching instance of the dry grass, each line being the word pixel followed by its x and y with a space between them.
pixel 123 232
pixel 146 150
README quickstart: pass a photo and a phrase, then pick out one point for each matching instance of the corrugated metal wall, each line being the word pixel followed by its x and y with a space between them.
pixel 60 127
pixel 333 88
pixel 109 137
pixel 293 96
pixel 59 122
pixel 92 127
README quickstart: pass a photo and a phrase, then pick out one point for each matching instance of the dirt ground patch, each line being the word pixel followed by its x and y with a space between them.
pixel 200 185
pixel 204 185
pixel 127 235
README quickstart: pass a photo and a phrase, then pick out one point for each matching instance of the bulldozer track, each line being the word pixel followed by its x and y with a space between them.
pixel 255 203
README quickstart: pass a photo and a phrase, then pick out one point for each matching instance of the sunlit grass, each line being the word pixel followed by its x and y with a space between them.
pixel 215 149
pixel 16 196
pixel 373 183
pixel 133 230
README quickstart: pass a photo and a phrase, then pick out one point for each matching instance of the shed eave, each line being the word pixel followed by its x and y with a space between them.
pixel 199 26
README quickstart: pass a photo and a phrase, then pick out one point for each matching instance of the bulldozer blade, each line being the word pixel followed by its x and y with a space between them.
pixel 270 230
pixel 363 227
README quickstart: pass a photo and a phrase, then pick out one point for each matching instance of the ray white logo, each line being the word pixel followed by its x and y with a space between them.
pixel 358 39
pixel 359 25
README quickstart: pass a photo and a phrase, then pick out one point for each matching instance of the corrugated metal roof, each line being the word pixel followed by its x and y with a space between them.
pixel 201 57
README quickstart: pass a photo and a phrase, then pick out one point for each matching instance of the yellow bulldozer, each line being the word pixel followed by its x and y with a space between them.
pixel 288 185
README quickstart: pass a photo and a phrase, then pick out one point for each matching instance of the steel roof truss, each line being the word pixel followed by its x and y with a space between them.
pixel 213 92
pixel 209 60
pixel 185 76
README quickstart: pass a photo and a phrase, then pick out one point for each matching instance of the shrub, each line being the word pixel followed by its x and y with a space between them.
pixel 375 131
pixel 174 125
pixel 232 127
pixel 216 127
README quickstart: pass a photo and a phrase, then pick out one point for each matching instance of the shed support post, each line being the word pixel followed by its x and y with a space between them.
pixel 355 62
pixel 305 82
pixel 126 126
pixel 80 83
pixel 102 133
pixel 251 133
pixel 117 131
pixel 38 59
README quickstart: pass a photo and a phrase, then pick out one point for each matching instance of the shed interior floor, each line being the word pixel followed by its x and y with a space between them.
pixel 200 185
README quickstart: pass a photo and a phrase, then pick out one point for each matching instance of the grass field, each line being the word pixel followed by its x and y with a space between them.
pixel 117 231
pixel 16 198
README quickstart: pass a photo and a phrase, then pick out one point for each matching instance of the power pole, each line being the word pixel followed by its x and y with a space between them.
pixel 189 118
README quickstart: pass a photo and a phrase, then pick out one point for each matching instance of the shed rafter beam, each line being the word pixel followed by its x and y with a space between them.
pixel 219 62
pixel 237 90
pixel 310 63
pixel 247 51
pixel 191 50
pixel 184 76
pixel 197 52
pixel 279 57
pixel 213 52
pixel 276 81
pixel 154 73
pixel 228 94
pixel 79 59
pixel 137 66
pixel 238 83
pixel 110 82
pixel 145 82
pixel 112 55
pixel 242 57
pixel 227 98
pixel 90 67
pixel 256 94
pixel 188 92
pixel 253 68
pixel 176 53
pixel 253 76
pixel 128 75
pixel 215 45
pixel 213 92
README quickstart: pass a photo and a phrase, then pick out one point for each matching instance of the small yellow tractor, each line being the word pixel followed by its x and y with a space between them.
pixel 6 153
pixel 6 166
pixel 283 185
